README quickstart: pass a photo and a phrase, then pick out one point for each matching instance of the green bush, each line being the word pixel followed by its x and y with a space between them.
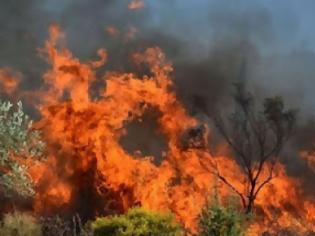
pixel 137 222
pixel 19 224
pixel 218 220
pixel 17 139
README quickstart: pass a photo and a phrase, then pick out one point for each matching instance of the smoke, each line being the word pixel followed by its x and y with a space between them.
pixel 207 42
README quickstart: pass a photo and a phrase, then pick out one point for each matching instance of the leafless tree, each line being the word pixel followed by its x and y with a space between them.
pixel 256 139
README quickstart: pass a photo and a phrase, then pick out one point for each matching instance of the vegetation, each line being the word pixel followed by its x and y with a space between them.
pixel 52 226
pixel 256 138
pixel 20 224
pixel 137 222
pixel 17 140
pixel 218 220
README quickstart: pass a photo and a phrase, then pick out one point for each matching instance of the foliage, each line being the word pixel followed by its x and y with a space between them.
pixel 218 220
pixel 137 222
pixel 20 224
pixel 17 140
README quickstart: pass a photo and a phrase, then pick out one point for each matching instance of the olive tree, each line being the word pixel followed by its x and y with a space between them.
pixel 17 141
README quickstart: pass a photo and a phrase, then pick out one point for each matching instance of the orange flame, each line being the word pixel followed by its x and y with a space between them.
pixel 9 81
pixel 136 4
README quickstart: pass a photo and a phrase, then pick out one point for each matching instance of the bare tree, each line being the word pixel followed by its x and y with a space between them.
pixel 256 139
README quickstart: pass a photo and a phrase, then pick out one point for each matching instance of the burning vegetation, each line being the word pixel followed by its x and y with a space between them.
pixel 88 172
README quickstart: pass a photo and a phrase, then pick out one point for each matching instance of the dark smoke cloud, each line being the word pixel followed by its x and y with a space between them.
pixel 207 40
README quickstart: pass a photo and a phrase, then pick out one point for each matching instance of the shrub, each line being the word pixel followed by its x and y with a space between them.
pixel 55 226
pixel 218 220
pixel 137 222
pixel 17 139
pixel 19 224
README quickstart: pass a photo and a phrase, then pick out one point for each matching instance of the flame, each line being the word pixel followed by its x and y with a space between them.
pixel 87 166
pixel 9 81
pixel 136 4
pixel 112 31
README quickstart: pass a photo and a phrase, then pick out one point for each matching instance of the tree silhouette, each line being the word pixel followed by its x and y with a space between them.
pixel 256 139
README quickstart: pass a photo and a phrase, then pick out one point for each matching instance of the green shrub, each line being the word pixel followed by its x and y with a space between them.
pixel 16 139
pixel 218 220
pixel 137 222
pixel 19 224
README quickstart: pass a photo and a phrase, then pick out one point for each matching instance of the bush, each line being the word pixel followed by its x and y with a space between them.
pixel 19 224
pixel 55 226
pixel 17 139
pixel 218 220
pixel 137 222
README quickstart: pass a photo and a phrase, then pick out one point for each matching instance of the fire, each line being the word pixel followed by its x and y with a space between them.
pixel 9 80
pixel 88 166
pixel 136 4
pixel 284 206
pixel 112 31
